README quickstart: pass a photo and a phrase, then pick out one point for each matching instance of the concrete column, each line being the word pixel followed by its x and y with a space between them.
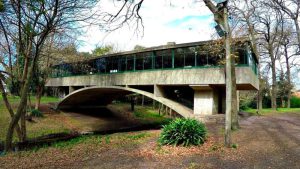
pixel 223 101
pixel 71 89
pixel 205 100
pixel 158 91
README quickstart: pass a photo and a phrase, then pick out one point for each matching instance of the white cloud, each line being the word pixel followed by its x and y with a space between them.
pixel 157 15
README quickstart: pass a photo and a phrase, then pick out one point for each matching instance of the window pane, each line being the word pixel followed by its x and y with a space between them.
pixel 148 62
pixel 158 62
pixel 130 63
pixel 101 65
pixel 242 55
pixel 166 58
pixel 189 59
pixel 139 61
pixel 179 58
pixel 201 58
pixel 213 60
pixel 121 64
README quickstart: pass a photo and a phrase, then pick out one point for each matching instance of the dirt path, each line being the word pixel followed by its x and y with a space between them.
pixel 271 141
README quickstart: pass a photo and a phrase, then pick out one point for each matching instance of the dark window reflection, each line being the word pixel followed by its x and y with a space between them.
pixel 148 62
pixel 189 59
pixel 130 63
pixel 184 57
pixel 158 61
pixel 202 59
pixel 101 65
pixel 139 62
pixel 179 58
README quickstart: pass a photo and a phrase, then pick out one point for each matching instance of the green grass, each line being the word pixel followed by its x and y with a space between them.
pixel 148 115
pixel 44 99
pixel 117 139
pixel 43 126
pixel 269 110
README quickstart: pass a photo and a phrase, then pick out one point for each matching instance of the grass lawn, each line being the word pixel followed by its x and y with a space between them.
pixel 53 122
pixel 269 110
pixel 41 126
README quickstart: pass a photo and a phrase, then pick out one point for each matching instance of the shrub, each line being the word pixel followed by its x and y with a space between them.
pixel 183 132
pixel 295 102
pixel 36 113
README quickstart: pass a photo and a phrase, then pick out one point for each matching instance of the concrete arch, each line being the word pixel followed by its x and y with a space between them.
pixel 100 96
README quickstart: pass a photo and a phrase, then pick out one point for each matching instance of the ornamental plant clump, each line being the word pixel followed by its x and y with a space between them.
pixel 36 113
pixel 184 132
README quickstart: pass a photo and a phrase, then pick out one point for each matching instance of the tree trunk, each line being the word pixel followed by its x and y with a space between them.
pixel 22 105
pixel 235 118
pixel 256 52
pixel 273 69
pixel 229 82
pixel 274 86
pixel 23 124
pixel 10 110
pixel 143 99
pixel 297 30
pixel 288 74
pixel 38 97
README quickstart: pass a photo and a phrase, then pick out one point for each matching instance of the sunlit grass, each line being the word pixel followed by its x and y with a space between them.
pixel 41 126
pixel 148 115
pixel 270 110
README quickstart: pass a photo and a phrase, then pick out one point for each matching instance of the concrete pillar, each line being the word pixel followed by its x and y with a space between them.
pixel 71 89
pixel 205 100
pixel 223 101
pixel 158 91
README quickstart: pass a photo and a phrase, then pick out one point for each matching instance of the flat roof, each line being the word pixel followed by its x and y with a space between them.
pixel 161 47
pixel 168 46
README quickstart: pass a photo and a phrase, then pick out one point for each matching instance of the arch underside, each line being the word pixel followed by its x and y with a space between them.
pixel 102 96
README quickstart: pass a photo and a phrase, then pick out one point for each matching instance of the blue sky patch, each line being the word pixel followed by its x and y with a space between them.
pixel 181 21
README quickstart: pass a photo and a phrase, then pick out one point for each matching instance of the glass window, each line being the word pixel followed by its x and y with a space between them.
pixel 189 59
pixel 242 55
pixel 130 63
pixel 179 58
pixel 166 58
pixel 201 58
pixel 92 68
pixel 101 65
pixel 158 61
pixel 121 64
pixel 112 64
pixel 139 62
pixel 213 60
pixel 148 61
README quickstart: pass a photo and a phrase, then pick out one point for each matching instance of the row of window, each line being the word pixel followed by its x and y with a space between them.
pixel 164 59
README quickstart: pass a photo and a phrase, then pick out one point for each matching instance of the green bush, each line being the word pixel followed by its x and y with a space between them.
pixel 36 113
pixel 183 132
pixel 295 102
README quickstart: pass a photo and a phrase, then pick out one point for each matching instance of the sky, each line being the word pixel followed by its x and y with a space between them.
pixel 164 21
pixel 178 21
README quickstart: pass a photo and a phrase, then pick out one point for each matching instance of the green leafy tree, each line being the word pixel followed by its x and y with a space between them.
pixel 25 26
pixel 103 50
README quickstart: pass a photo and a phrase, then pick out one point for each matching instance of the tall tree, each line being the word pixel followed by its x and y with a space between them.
pixel 269 27
pixel 245 11
pixel 27 25
pixel 292 9
pixel 221 16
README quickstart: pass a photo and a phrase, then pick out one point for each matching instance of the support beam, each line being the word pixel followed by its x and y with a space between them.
pixel 205 100
pixel 158 91
pixel 71 89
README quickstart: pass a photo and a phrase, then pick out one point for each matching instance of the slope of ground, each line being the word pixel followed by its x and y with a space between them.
pixel 268 141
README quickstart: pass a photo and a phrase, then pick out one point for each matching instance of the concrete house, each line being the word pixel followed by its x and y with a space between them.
pixel 188 78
